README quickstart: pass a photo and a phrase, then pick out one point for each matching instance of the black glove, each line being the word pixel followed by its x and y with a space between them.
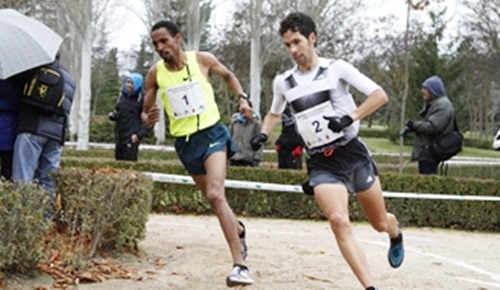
pixel 410 124
pixel 404 132
pixel 113 116
pixel 257 141
pixel 336 124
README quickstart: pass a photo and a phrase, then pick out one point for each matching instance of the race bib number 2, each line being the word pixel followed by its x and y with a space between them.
pixel 186 100
pixel 314 128
pixel 311 103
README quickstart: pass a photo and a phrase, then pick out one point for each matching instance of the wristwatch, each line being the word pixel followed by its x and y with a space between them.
pixel 244 96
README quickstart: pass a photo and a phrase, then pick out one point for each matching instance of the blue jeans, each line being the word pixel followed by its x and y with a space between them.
pixel 36 158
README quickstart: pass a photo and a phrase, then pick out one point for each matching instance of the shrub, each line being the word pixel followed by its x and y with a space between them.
pixel 109 206
pixel 22 225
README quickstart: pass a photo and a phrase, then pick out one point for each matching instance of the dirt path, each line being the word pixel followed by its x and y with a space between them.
pixel 189 252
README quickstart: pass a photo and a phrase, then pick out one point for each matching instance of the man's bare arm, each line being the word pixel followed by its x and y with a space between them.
pixel 210 64
pixel 150 111
pixel 270 122
pixel 372 103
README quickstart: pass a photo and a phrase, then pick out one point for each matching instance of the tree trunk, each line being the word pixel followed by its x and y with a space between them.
pixel 255 61
pixel 405 93
pixel 193 25
pixel 86 60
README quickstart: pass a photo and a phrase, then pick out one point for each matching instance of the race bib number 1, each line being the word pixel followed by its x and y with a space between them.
pixel 186 100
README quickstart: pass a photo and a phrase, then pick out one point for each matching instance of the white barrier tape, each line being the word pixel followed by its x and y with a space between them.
pixel 441 196
pixel 184 179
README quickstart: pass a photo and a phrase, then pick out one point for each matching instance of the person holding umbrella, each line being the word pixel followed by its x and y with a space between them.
pixel 40 139
pixel 28 44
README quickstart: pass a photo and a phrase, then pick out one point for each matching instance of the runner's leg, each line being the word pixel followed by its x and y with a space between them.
pixel 333 201
pixel 212 187
pixel 372 202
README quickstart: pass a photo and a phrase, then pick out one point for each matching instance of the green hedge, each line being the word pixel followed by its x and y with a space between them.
pixel 22 225
pixel 418 212
pixel 109 205
pixel 97 210
pixel 385 163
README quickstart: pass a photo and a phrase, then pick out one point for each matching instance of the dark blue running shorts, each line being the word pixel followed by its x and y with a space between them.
pixel 194 150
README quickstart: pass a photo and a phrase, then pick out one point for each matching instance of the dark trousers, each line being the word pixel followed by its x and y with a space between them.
pixel 426 167
pixel 287 161
pixel 6 163
pixel 127 151
pixel 241 163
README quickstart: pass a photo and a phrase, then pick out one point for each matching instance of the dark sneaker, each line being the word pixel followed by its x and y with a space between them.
pixel 307 189
pixel 240 276
pixel 396 253
pixel 244 248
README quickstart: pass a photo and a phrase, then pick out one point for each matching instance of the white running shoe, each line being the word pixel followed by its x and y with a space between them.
pixel 240 276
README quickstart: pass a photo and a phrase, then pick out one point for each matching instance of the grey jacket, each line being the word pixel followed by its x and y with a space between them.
pixel 438 118
pixel 242 132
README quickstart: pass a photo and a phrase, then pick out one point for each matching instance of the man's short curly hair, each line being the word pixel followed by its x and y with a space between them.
pixel 170 26
pixel 298 21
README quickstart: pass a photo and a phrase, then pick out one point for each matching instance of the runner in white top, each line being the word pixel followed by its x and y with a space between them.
pixel 327 118
pixel 331 77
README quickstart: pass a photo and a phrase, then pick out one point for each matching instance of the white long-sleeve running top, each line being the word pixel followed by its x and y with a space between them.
pixel 321 91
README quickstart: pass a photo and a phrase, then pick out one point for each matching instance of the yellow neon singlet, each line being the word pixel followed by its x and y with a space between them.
pixel 190 73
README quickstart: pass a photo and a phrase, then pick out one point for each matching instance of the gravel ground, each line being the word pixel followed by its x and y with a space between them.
pixel 189 252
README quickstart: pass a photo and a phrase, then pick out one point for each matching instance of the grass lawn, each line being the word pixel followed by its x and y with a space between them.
pixel 381 145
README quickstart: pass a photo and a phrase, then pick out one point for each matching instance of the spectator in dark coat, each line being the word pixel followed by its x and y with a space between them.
pixel 129 130
pixel 40 139
pixel 10 96
pixel 289 144
pixel 437 118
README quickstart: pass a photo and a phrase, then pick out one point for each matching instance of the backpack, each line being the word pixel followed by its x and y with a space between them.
pixel 448 145
pixel 44 90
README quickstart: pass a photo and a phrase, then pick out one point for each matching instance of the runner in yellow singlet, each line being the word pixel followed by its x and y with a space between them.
pixel 202 142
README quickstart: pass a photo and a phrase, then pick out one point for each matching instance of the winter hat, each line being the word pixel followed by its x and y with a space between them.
pixel 137 80
pixel 435 86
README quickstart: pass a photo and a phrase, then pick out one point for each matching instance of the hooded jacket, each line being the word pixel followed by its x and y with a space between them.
pixel 128 111
pixel 435 86
pixel 438 118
